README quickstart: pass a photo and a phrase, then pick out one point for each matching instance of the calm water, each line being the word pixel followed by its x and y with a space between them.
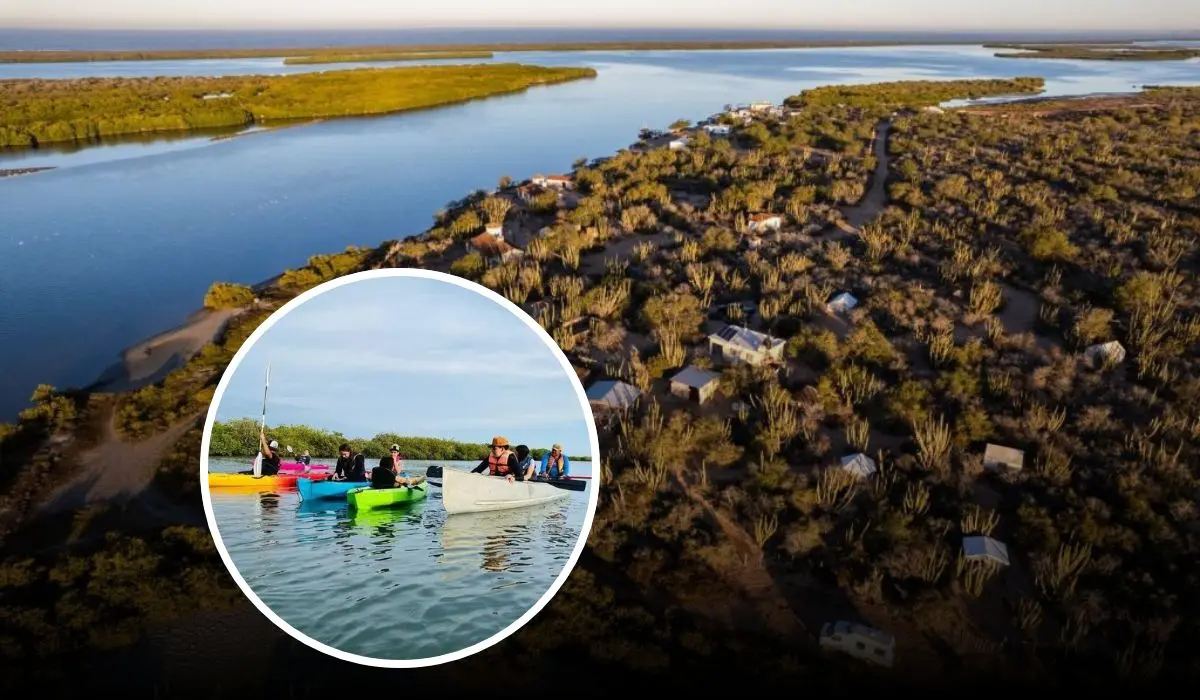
pixel 122 241
pixel 399 584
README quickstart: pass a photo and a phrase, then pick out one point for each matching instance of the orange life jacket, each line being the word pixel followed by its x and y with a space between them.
pixel 498 464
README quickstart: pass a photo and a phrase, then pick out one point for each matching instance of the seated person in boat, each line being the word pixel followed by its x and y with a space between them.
pixel 351 466
pixel 500 461
pixel 305 458
pixel 270 456
pixel 555 464
pixel 390 473
pixel 525 463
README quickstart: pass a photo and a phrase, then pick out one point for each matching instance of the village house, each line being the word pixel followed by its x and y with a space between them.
pixel 529 191
pixel 694 384
pixel 717 129
pixel 979 548
pixel 678 144
pixel 494 230
pixel 558 182
pixel 217 96
pixel 997 457
pixel 764 222
pixel 493 248
pixel 612 395
pixel 762 106
pixel 842 304
pixel 861 642
pixel 738 345
pixel 859 465
pixel 1104 353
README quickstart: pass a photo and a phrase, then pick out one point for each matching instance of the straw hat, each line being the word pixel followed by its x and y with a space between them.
pixel 499 441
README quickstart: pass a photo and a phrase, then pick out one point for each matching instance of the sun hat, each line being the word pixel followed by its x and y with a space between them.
pixel 394 448
pixel 499 441
pixel 557 447
pixel 274 444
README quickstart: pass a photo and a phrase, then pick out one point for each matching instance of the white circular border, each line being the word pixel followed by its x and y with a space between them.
pixel 593 498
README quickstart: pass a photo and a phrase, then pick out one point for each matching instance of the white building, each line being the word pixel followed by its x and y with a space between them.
pixel 558 182
pixel 735 345
pixel 859 465
pixel 764 222
pixel 842 303
pixel 495 230
pixel 1099 355
pixel 694 384
pixel 861 642
pixel 981 548
pixel 717 129
pixel 678 144
pixel 997 457
pixel 612 395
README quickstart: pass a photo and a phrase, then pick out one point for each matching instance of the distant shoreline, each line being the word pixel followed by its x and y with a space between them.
pixel 85 56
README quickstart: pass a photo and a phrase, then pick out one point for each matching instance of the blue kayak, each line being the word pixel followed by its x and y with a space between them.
pixel 326 490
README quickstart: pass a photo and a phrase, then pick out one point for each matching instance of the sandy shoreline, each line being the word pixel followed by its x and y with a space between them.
pixel 151 360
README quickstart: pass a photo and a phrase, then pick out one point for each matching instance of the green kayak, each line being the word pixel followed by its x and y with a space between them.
pixel 366 498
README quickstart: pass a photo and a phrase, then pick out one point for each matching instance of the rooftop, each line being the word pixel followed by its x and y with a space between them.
pixel 695 377
pixel 746 338
pixel 615 393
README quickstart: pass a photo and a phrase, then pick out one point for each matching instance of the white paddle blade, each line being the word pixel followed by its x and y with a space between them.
pixel 258 465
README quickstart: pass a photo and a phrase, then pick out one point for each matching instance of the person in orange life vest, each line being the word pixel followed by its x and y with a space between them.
pixel 555 464
pixel 500 461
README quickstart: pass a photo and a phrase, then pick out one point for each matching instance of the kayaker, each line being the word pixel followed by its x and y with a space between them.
pixel 350 467
pixel 500 461
pixel 305 458
pixel 390 473
pixel 525 463
pixel 555 464
pixel 270 456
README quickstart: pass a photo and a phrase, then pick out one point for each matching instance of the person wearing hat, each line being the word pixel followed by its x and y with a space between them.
pixel 270 453
pixel 500 461
pixel 555 464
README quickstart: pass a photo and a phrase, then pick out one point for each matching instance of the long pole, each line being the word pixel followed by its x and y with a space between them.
pixel 262 429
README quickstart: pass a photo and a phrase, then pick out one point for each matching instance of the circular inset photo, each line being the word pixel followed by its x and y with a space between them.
pixel 399 468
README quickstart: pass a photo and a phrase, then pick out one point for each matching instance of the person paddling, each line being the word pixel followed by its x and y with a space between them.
pixel 270 456
pixel 500 461
pixel 555 464
pixel 350 466
pixel 305 459
pixel 525 463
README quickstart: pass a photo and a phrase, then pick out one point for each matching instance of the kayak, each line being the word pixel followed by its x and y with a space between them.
pixel 248 481
pixel 302 467
pixel 324 489
pixel 464 492
pixel 366 498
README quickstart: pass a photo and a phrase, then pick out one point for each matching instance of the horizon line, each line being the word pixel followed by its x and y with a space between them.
pixel 1180 34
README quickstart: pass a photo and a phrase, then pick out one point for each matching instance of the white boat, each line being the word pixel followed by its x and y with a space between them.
pixel 464 492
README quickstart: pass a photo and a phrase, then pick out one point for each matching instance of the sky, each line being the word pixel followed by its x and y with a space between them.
pixel 411 356
pixel 881 15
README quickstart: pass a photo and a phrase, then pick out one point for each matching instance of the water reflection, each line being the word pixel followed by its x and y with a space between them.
pixel 500 542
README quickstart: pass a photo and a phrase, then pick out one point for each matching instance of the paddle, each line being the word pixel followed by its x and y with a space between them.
pixel 565 484
pixel 436 473
pixel 258 458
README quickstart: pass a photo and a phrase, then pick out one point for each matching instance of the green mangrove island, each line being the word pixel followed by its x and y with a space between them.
pixel 239 438
pixel 46 111
pixel 1095 52
pixel 853 357
pixel 383 56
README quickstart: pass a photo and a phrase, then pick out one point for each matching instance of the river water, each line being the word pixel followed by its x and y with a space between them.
pixel 122 240
pixel 409 583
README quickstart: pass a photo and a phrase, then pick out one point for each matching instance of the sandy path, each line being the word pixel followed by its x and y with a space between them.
pixel 118 473
pixel 871 206
pixel 759 587
pixel 151 360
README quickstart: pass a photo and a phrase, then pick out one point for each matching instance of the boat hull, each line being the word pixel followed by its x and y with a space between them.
pixel 249 483
pixel 323 489
pixel 464 492
pixel 367 498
